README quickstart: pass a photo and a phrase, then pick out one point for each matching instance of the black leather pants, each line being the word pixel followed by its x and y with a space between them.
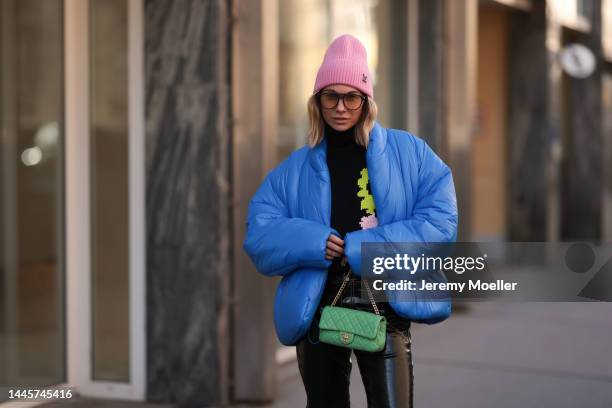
pixel 326 371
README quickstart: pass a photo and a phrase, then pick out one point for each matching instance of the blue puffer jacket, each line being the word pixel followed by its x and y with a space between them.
pixel 288 222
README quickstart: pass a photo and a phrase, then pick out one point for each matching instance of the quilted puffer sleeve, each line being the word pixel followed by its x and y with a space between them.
pixel 434 217
pixel 276 243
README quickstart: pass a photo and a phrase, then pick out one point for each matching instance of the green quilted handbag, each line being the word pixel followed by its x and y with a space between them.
pixel 351 328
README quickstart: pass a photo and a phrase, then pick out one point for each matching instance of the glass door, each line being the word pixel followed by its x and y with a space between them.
pixel 72 196
pixel 105 197
pixel 32 297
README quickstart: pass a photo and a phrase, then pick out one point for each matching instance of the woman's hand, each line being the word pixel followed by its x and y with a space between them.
pixel 335 247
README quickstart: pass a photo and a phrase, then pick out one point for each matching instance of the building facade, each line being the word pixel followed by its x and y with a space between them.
pixel 134 133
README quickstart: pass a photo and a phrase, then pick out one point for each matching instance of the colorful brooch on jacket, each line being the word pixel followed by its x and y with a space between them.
pixel 367 202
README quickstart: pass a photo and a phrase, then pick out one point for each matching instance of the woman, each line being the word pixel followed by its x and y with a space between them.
pixel 354 182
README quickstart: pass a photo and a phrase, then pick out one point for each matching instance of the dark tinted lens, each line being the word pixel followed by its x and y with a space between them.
pixel 329 100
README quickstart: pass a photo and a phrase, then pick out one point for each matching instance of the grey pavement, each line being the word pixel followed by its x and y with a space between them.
pixel 494 354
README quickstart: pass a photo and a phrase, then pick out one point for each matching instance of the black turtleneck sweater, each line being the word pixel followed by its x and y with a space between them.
pixel 346 161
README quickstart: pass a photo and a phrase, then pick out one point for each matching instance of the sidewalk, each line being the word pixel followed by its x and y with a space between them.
pixel 517 355
pixel 504 355
pixel 492 355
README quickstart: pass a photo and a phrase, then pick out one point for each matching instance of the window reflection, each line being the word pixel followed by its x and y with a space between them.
pixel 109 190
pixel 32 195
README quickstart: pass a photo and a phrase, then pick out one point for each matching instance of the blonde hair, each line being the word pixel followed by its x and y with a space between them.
pixel 362 128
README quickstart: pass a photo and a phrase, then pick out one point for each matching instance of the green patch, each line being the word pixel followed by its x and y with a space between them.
pixel 367 200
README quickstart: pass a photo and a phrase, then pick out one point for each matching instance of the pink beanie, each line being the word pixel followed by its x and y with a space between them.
pixel 345 62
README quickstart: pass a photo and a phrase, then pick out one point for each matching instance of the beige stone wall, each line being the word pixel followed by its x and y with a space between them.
pixel 489 147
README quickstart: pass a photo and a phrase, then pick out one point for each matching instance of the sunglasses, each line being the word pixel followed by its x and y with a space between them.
pixel 351 100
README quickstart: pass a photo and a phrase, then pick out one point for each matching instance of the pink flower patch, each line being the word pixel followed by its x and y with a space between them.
pixel 368 222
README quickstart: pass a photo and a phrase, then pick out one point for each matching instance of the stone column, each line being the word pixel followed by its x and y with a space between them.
pixel 188 234
pixel 431 48
pixel 582 183
pixel 532 123
pixel 607 160
pixel 458 107
pixel 255 82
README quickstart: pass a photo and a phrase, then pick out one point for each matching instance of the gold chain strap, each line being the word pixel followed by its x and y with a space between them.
pixel 371 297
pixel 345 281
